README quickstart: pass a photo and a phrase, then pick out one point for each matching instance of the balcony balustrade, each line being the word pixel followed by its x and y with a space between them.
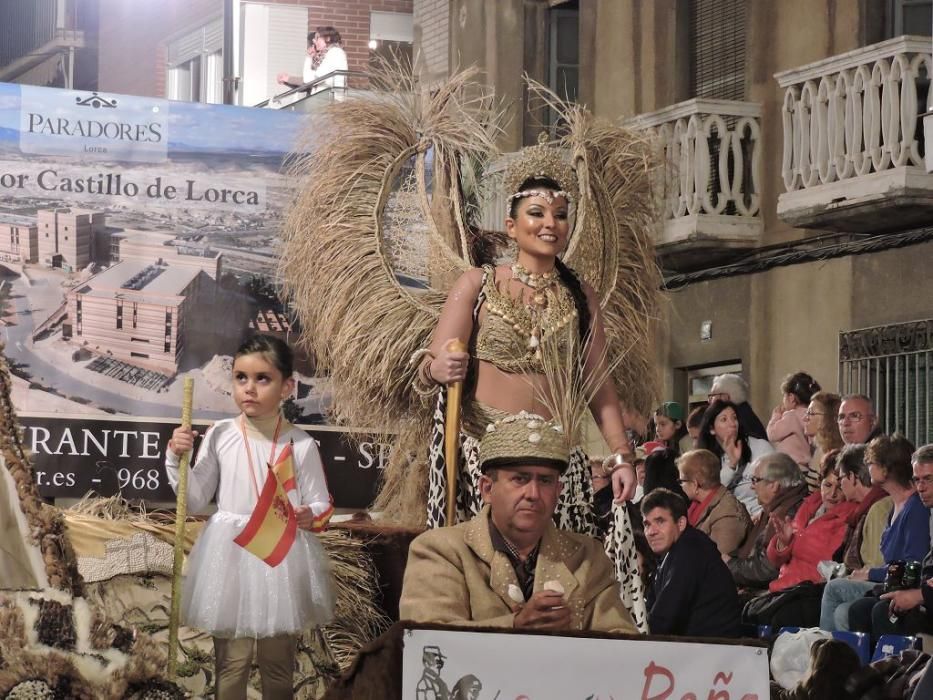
pixel 853 156
pixel 712 164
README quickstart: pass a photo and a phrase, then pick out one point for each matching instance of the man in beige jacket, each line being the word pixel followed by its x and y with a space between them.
pixel 510 566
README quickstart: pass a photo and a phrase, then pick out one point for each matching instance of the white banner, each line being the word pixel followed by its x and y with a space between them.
pixel 444 664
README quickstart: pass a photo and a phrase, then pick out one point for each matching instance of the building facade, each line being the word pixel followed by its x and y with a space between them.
pixel 19 244
pixel 137 312
pixel 67 237
pixel 178 46
pixel 794 228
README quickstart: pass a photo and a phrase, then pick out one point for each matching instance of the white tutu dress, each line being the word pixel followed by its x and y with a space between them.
pixel 228 591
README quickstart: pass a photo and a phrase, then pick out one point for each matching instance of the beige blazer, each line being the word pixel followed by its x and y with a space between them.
pixel 726 522
pixel 455 576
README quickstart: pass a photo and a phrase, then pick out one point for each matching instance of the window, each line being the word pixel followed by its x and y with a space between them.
pixel 564 53
pixel 891 365
pixel 912 17
pixel 195 65
pixel 119 314
pixel 700 380
pixel 717 49
pixel 273 39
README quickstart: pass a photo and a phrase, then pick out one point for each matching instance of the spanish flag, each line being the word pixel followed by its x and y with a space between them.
pixel 272 527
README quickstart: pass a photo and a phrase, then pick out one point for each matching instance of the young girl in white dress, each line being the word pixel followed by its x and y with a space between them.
pixel 242 601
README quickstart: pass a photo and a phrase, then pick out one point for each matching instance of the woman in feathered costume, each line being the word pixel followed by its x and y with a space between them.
pixel 585 199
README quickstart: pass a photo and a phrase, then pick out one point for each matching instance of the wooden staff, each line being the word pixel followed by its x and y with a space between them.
pixel 452 436
pixel 181 515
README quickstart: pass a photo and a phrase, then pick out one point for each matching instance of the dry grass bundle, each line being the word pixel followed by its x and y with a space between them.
pixel 357 620
pixel 357 319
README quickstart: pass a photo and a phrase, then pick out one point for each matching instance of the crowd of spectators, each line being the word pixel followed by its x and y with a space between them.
pixel 813 517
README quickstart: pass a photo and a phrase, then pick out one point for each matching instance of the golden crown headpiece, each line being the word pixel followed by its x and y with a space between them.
pixel 540 161
pixel 524 439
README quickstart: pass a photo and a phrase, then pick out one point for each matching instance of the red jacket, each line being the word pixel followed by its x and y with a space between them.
pixel 813 542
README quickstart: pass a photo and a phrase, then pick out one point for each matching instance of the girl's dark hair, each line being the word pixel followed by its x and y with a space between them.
pixel 832 663
pixel 801 385
pixel 275 350
pixel 661 472
pixel 708 441
pixel 328 34
pixel 567 275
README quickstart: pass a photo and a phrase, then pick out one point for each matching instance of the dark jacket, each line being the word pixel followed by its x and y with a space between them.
pixel 926 574
pixel 692 592
pixel 751 567
pixel 749 420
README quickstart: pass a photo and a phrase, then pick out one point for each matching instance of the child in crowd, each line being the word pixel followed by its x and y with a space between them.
pixel 236 596
pixel 785 429
pixel 694 420
pixel 670 428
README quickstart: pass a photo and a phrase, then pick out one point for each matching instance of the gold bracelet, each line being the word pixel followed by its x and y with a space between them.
pixel 618 459
pixel 423 383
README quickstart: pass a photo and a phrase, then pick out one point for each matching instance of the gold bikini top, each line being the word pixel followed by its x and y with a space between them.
pixel 511 334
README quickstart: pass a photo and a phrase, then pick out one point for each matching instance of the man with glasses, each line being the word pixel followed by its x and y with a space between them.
pixel 780 489
pixel 857 421
pixel 907 611
pixel 731 387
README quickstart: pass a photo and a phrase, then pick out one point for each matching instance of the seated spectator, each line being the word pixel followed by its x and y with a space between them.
pixel 723 434
pixel 819 423
pixel 813 535
pixel 694 420
pixel 731 387
pixel 691 593
pixel 906 536
pixel 510 566
pixel 863 541
pixel 713 510
pixel 780 489
pixel 906 611
pixel 669 427
pixel 857 421
pixel 785 428
pixel 832 664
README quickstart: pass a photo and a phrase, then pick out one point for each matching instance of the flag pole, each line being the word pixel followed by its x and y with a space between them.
pixel 181 515
pixel 452 437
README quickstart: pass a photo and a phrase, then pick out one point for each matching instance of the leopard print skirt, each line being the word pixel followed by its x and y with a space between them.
pixel 574 510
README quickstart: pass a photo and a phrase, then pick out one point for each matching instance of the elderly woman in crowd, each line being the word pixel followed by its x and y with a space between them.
pixel 820 426
pixel 906 537
pixel 785 429
pixel 798 546
pixel 723 433
pixel 713 509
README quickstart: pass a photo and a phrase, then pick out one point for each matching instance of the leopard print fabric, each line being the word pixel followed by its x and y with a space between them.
pixel 620 548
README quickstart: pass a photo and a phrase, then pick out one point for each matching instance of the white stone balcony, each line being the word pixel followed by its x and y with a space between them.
pixel 853 139
pixel 712 165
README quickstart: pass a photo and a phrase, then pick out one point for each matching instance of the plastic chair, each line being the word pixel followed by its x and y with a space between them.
pixel 859 641
pixel 892 645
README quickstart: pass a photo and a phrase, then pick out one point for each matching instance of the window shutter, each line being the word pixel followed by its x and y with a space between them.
pixel 717 28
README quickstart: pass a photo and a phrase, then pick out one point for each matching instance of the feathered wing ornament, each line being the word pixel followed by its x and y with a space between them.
pixel 612 243
pixel 381 198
